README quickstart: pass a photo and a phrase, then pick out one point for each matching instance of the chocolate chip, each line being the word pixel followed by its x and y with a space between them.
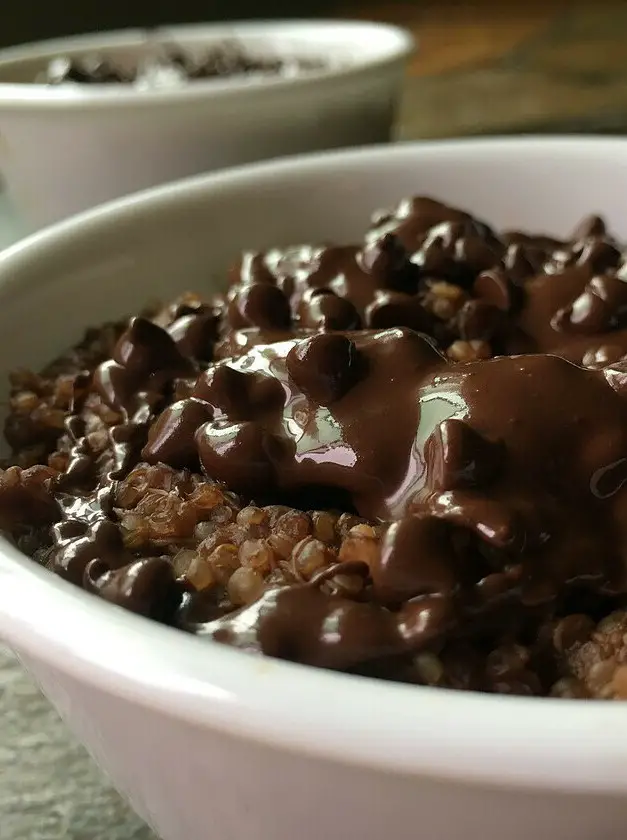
pixel 437 254
pixel 587 314
pixel 395 309
pixel 458 456
pixel 171 439
pixel 321 309
pixel 495 287
pixel 236 454
pixel 69 529
pixel 196 333
pixel 114 386
pixel 238 395
pixel 478 320
pixel 406 350
pixel 292 623
pixel 598 254
pixel 602 306
pixel 325 367
pixel 416 558
pixel 259 305
pixel 477 253
pixel 223 387
pixel 455 252
pixel 522 261
pixel 388 260
pixel 145 359
pixel 81 473
pixel 425 620
pixel 146 347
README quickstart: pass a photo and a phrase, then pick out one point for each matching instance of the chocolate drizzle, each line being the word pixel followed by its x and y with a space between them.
pixel 302 413
pixel 486 499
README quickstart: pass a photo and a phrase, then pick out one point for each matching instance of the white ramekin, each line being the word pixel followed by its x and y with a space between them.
pixel 207 742
pixel 68 148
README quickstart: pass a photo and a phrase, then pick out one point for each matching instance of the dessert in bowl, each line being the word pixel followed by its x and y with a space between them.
pixel 399 459
pixel 208 96
pixel 166 65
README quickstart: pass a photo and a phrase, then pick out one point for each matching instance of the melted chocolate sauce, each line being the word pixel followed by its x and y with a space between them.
pixel 453 449
pixel 499 485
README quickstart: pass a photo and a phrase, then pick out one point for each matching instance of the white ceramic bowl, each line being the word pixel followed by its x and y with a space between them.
pixel 68 148
pixel 210 743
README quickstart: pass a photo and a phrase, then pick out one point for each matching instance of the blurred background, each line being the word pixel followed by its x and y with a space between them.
pixel 484 66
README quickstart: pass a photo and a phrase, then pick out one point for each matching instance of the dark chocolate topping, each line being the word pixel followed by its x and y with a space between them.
pixel 79 542
pixel 322 309
pixel 196 333
pixel 288 439
pixel 325 367
pixel 305 625
pixel 354 275
pixel 145 361
pixel 258 305
pixel 493 491
pixel 491 499
pixel 575 311
pixel 413 218
pixel 171 438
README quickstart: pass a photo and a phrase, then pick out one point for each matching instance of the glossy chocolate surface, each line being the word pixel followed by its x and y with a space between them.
pixel 460 394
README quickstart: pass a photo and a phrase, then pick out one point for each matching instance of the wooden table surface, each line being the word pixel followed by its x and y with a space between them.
pixel 482 67
pixel 485 67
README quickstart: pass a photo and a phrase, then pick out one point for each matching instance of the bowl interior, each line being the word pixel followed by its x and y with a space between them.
pixel 335 44
pixel 111 261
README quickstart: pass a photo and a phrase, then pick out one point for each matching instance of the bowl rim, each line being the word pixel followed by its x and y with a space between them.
pixel 400 45
pixel 504 742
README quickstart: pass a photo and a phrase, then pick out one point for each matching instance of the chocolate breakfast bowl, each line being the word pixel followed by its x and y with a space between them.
pixel 463 530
